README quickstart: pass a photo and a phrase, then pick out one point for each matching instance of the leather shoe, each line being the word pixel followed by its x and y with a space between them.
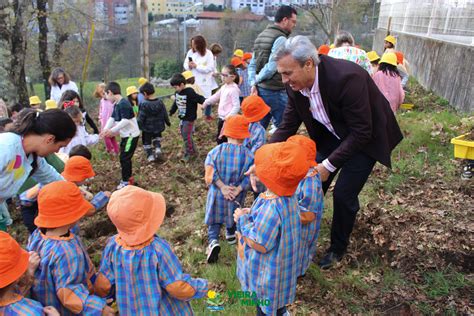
pixel 329 259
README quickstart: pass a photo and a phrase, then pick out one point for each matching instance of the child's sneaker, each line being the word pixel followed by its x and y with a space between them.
pixel 466 173
pixel 213 251
pixel 122 185
pixel 158 154
pixel 231 240
pixel 150 158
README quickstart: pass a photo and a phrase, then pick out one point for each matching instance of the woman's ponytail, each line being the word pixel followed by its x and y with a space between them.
pixel 55 122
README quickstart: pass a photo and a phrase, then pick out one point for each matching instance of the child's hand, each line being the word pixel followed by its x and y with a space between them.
pixel 108 311
pixel 33 262
pixel 253 177
pixel 239 212
pixel 227 192
pixel 107 194
pixel 237 190
pixel 50 311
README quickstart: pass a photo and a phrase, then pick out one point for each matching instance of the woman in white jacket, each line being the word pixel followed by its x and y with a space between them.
pixel 60 82
pixel 200 61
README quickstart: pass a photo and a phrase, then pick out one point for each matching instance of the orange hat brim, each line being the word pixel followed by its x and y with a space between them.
pixel 20 268
pixel 57 221
pixel 150 228
pixel 77 177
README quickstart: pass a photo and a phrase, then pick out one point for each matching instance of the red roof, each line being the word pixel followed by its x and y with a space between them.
pixel 248 16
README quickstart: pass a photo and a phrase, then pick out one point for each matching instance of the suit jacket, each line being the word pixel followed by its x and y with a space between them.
pixel 358 111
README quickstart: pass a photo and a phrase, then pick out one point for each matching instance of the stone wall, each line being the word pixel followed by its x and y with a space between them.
pixel 445 68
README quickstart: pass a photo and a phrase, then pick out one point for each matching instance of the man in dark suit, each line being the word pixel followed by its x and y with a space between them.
pixel 349 119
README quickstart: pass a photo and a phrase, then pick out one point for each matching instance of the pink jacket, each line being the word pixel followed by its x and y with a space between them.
pixel 391 88
pixel 228 98
pixel 105 111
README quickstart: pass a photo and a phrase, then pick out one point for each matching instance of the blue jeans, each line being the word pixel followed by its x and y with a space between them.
pixel 276 100
pixel 214 230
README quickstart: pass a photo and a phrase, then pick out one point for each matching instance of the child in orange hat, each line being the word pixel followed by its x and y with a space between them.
pixel 63 279
pixel 141 267
pixel 241 68
pixel 310 200
pixel 18 266
pixel 269 233
pixel 225 167
pixel 255 109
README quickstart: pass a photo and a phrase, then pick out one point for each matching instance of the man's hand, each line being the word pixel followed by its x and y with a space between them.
pixel 323 172
pixel 253 90
pixel 33 262
pixel 239 212
pixel 253 177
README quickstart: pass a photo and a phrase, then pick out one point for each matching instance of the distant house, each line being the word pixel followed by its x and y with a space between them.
pixel 211 19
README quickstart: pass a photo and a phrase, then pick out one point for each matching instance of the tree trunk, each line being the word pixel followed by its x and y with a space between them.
pixel 57 54
pixel 18 51
pixel 43 44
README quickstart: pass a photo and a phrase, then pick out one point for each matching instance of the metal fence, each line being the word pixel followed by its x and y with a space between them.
pixel 448 20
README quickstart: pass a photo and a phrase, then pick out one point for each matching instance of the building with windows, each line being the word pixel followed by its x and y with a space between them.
pixel 112 13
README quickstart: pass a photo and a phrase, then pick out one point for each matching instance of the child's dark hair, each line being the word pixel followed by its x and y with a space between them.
pixel 391 70
pixel 375 62
pixel 147 88
pixel 73 111
pixel 55 122
pixel 177 80
pixel 70 95
pixel 191 80
pixel 132 100
pixel 17 107
pixel 80 150
pixel 113 87
pixel 233 71
pixel 4 121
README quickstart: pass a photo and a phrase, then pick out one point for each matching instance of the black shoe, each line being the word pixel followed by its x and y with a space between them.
pixel 213 251
pixel 329 259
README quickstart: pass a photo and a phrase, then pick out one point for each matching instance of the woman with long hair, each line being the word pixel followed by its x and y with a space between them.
pixel 35 135
pixel 200 61
pixel 60 81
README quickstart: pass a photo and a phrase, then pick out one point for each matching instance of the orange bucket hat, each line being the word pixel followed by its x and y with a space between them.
pixel 254 108
pixel 60 203
pixel 236 126
pixel 307 144
pixel 280 168
pixel 399 57
pixel 247 56
pixel 13 260
pixel 78 169
pixel 236 61
pixel 323 49
pixel 136 213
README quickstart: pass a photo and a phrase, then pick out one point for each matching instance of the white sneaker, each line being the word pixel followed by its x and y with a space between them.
pixel 150 158
pixel 122 185
pixel 231 240
pixel 213 251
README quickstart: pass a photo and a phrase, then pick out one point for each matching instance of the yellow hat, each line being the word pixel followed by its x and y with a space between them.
pixel 131 90
pixel 373 56
pixel 187 74
pixel 389 58
pixel 391 39
pixel 50 104
pixel 332 46
pixel 239 53
pixel 142 81
pixel 35 100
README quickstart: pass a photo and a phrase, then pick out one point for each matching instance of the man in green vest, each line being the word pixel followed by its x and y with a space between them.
pixel 263 76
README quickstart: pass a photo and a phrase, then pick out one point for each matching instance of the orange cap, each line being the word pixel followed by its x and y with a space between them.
pixel 323 49
pixel 78 169
pixel 247 56
pixel 136 213
pixel 254 108
pixel 236 61
pixel 307 144
pixel 60 203
pixel 236 126
pixel 280 168
pixel 399 57
pixel 13 260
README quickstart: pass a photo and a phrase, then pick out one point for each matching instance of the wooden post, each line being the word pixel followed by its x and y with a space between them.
pixel 144 39
pixel 389 25
pixel 86 63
